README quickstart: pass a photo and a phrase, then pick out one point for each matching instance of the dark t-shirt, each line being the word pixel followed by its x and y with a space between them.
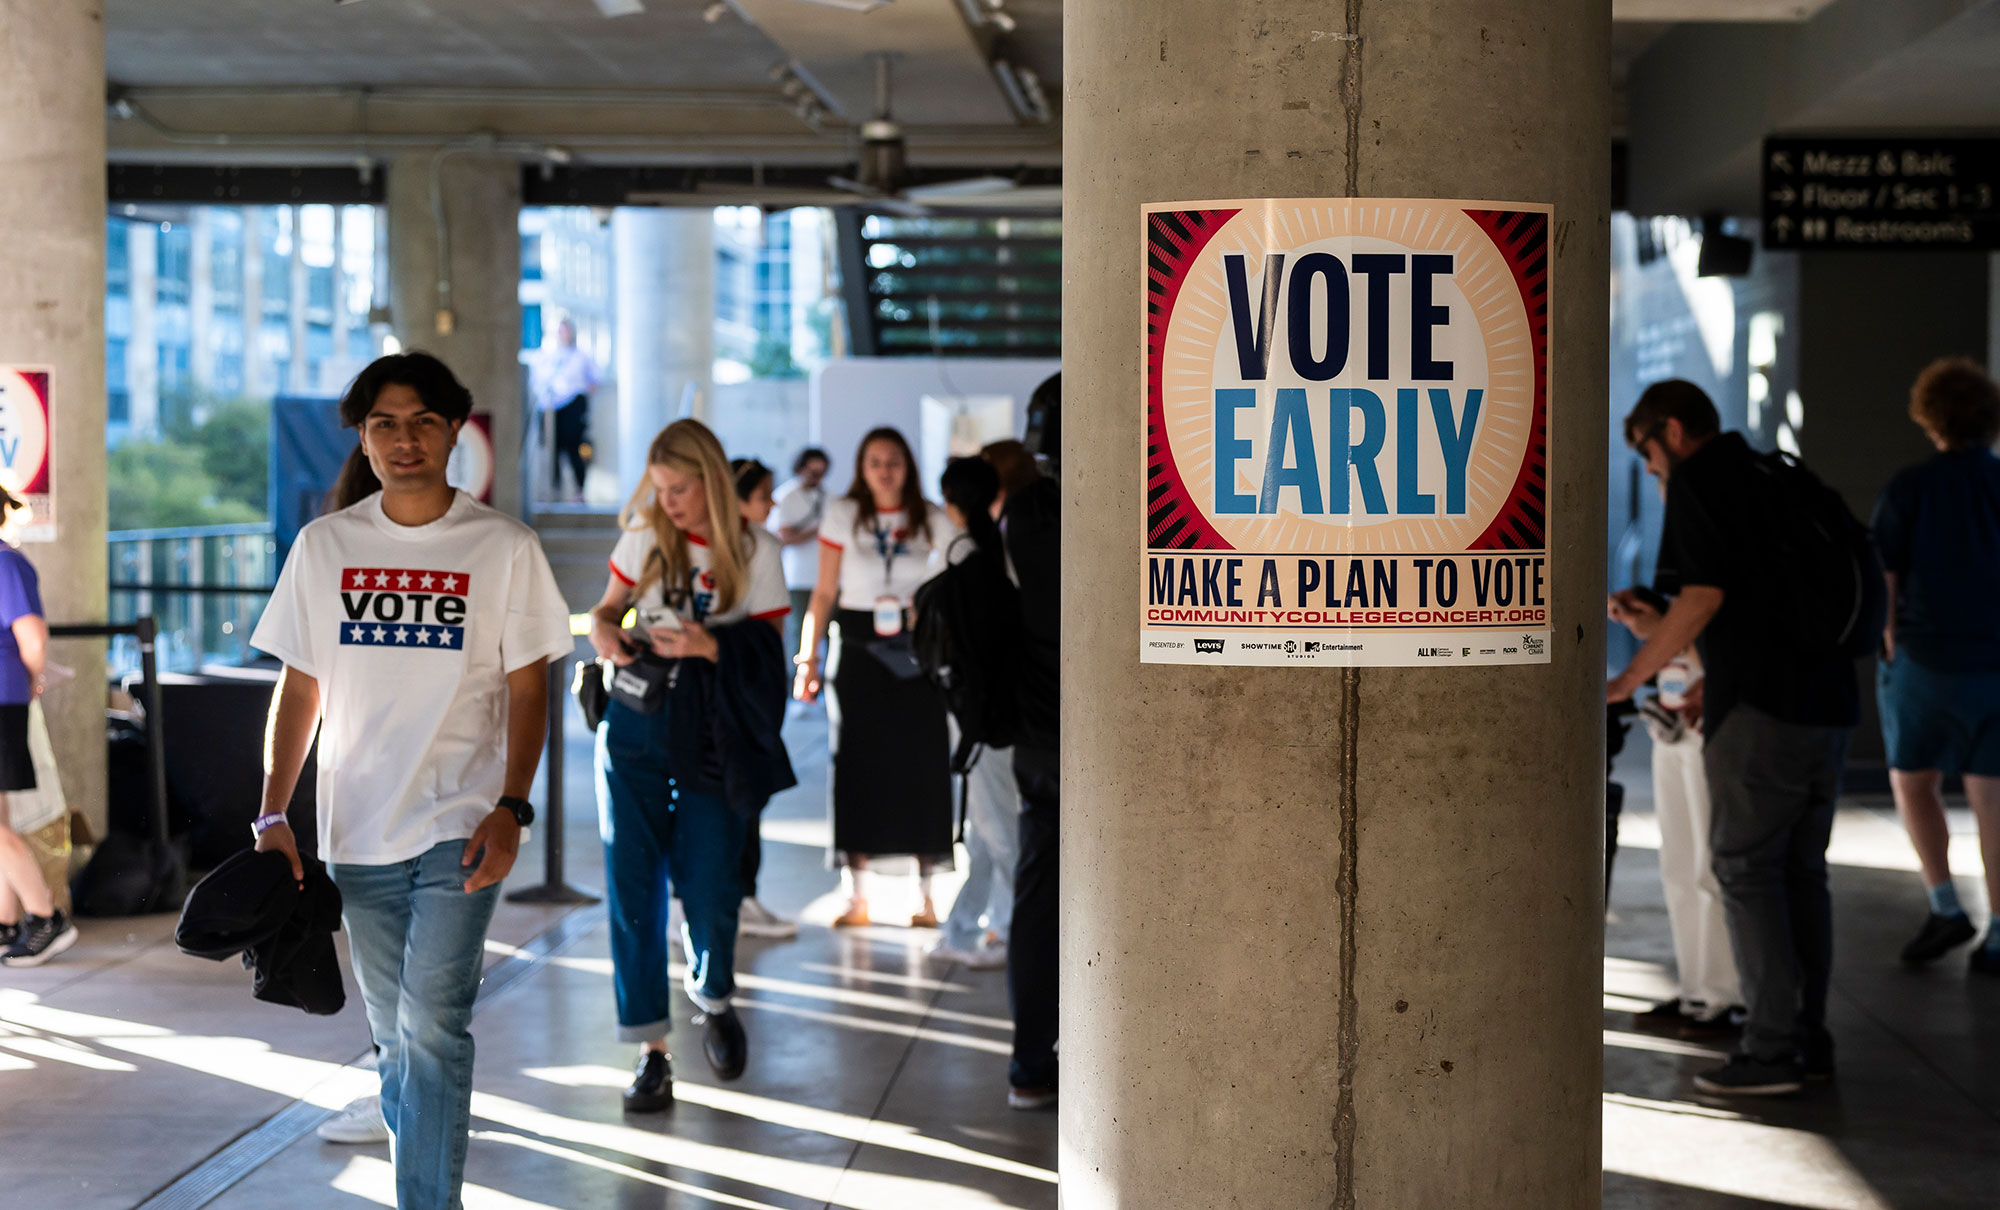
pixel 1032 523
pixel 1714 536
pixel 20 595
pixel 1938 528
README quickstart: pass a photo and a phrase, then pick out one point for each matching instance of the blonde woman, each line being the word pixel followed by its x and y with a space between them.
pixel 703 583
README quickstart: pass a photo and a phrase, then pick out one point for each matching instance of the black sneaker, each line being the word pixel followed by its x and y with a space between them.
pixel 1985 959
pixel 724 1043
pixel 8 932
pixel 40 939
pixel 1726 1024
pixel 1939 936
pixel 652 1087
pixel 1663 1018
pixel 1816 1057
pixel 1745 1076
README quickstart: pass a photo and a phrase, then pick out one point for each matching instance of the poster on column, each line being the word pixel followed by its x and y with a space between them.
pixel 27 459
pixel 1347 416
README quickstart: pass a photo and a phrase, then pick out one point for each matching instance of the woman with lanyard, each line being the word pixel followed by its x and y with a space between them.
pixel 703 583
pixel 890 777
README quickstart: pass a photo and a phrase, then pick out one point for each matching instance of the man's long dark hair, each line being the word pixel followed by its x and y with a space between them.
pixel 433 382
pixel 971 485
pixel 915 509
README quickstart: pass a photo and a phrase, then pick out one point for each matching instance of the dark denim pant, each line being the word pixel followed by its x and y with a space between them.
pixel 662 839
pixel 419 945
pixel 1031 945
pixel 1773 785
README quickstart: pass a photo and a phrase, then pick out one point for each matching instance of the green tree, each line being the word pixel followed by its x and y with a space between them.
pixel 159 485
pixel 773 359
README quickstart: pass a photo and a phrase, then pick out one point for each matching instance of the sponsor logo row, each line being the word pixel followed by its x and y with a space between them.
pixel 1529 644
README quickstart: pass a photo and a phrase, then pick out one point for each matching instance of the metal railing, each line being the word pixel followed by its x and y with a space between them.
pixel 206 585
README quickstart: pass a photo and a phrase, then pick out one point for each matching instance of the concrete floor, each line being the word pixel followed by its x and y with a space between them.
pixel 877 1079
pixel 1913 1121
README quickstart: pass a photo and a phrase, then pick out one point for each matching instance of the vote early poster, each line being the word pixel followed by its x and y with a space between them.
pixel 27 463
pixel 1347 416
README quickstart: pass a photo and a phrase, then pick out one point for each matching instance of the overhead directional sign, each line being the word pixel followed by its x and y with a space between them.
pixel 1886 194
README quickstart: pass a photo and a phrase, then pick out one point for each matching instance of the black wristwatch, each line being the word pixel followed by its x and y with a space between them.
pixel 521 809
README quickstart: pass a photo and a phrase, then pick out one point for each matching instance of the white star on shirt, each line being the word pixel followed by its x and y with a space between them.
pixel 427 581
pixel 355 632
pixel 451 583
pixel 380 634
pixel 402 635
pixel 381 579
pixel 423 634
pixel 403 581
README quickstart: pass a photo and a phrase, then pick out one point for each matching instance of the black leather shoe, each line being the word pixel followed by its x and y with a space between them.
pixel 1985 961
pixel 652 1087
pixel 1816 1056
pixel 722 1040
pixel 1940 935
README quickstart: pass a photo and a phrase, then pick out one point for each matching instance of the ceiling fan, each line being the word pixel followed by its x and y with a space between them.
pixel 882 173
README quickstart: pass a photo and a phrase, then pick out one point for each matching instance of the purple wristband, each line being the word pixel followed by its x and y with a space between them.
pixel 264 823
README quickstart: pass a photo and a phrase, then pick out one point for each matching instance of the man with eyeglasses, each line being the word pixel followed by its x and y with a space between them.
pixel 1775 717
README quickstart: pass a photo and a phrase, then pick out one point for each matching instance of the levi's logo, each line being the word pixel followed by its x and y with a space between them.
pixel 403 607
pixel 1208 646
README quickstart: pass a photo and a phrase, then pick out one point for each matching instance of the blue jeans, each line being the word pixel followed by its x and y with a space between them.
pixel 419 945
pixel 992 846
pixel 663 839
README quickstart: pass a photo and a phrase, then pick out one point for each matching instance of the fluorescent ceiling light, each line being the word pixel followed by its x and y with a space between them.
pixel 852 6
pixel 620 8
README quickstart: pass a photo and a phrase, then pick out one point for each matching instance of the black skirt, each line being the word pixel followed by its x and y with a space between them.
pixel 890 777
pixel 17 765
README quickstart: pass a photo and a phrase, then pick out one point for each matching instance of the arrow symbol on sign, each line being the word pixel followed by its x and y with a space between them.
pixel 1781 227
pixel 1785 196
pixel 1781 161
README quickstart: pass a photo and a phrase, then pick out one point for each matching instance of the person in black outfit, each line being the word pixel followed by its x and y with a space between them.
pixel 1775 718
pixel 1031 525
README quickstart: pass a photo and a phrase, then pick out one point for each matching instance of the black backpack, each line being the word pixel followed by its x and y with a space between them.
pixel 968 640
pixel 1827 579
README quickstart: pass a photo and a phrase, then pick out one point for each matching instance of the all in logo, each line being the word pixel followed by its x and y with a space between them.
pixel 403 607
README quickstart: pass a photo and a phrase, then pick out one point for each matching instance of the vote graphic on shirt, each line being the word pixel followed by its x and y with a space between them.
pixel 1346 449
pixel 403 607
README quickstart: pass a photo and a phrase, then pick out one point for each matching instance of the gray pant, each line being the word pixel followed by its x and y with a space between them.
pixel 1773 785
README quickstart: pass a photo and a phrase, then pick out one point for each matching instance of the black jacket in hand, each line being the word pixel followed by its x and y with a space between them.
pixel 724 719
pixel 250 905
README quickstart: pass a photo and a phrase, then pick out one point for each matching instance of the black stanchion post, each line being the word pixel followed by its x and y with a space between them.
pixel 156 725
pixel 553 888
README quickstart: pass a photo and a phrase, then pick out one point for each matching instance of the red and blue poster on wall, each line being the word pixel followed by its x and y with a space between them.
pixel 1347 417
pixel 27 464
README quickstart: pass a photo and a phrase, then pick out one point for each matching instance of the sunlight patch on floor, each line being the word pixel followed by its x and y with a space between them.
pixel 1741 1158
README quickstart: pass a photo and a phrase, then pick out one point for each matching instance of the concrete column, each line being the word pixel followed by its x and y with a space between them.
pixel 142 344
pixel 297 380
pixel 481 338
pixel 664 262
pixel 1868 323
pixel 52 314
pixel 339 366
pixel 1332 938
pixel 257 378
pixel 201 298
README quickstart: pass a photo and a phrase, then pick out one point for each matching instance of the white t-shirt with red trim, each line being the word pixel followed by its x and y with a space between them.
pixel 884 557
pixel 411 631
pixel 765 596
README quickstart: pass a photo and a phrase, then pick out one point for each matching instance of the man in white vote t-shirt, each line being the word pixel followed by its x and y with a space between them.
pixel 415 625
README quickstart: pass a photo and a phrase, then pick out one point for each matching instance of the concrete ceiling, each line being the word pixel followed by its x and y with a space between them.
pixel 1702 98
pixel 254 80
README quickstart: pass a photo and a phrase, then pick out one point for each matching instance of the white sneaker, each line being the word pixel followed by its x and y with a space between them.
pixel 359 1124
pixel 753 919
pixel 987 957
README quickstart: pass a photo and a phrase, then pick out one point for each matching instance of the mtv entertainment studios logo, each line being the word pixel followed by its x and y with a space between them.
pixel 1208 646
